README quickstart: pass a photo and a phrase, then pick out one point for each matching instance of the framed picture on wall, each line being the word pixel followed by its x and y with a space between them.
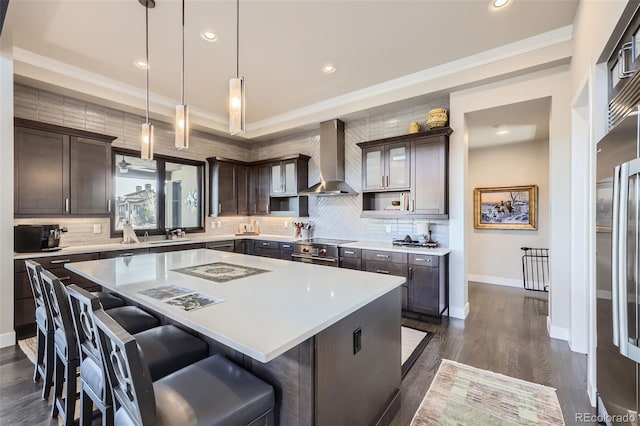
pixel 506 207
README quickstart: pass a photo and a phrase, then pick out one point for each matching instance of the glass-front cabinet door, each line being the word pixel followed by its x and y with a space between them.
pixel 277 184
pixel 373 168
pixel 398 165
pixel 290 181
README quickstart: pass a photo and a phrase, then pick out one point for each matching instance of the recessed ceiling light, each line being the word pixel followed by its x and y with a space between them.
pixel 498 4
pixel 328 69
pixel 208 36
pixel 140 64
pixel 502 130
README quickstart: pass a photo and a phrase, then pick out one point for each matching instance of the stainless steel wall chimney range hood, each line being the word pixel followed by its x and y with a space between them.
pixel 331 162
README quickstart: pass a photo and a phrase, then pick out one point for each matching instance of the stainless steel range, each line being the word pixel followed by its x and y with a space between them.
pixel 320 251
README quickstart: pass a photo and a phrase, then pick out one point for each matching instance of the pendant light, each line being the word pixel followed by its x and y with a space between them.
pixel 146 136
pixel 236 88
pixel 182 112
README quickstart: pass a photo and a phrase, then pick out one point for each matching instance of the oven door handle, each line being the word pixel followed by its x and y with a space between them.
pixel 326 259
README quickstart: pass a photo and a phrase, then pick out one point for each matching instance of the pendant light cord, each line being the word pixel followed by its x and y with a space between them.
pixel 237 38
pixel 146 8
pixel 182 70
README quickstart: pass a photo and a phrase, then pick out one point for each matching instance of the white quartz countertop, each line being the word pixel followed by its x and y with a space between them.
pixel 438 251
pixel 190 239
pixel 262 315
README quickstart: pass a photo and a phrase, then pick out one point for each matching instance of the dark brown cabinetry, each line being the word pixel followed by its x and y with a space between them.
pixel 388 263
pixel 226 245
pixel 60 171
pixel 24 305
pixel 350 258
pixel 428 284
pixel 286 250
pixel 406 176
pixel 123 253
pixel 266 249
pixel 267 187
pixel 176 247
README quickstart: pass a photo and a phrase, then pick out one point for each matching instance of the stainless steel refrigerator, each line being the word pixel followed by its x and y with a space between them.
pixel 618 273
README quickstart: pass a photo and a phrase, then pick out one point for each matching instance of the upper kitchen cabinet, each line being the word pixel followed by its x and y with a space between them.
pixel 289 176
pixel 386 167
pixel 229 187
pixel 259 189
pixel 60 171
pixel 406 176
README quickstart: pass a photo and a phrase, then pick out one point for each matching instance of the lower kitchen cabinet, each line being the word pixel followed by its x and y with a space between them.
pixel 176 247
pixel 24 305
pixel 286 250
pixel 123 253
pixel 226 245
pixel 267 249
pixel 428 289
pixel 351 258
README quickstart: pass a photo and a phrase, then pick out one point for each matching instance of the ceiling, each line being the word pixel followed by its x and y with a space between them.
pixel 524 121
pixel 283 46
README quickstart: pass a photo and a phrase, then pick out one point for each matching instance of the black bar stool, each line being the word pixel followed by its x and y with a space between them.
pixel 213 391
pixel 164 349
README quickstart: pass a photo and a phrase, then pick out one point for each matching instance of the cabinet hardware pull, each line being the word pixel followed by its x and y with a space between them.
pixel 219 207
pixel 66 205
pixel 266 244
pixel 387 185
pixel 55 262
pixel 286 246
pixel 268 212
pixel 255 208
pixel 411 207
pixel 125 254
pixel 384 256
pixel 623 72
pixel 108 206
pixel 64 278
pixel 420 259
pixel 382 271
pixel 410 273
pixel 349 252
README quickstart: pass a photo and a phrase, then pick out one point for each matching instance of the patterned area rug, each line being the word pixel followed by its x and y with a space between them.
pixel 464 395
pixel 29 346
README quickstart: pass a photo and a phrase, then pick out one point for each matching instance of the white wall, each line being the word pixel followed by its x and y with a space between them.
pixel 494 254
pixel 7 335
pixel 551 83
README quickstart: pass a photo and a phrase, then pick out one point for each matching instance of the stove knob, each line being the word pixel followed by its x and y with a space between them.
pixel 305 250
pixel 322 252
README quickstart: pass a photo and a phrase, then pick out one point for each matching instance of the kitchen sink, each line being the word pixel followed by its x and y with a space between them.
pixel 177 240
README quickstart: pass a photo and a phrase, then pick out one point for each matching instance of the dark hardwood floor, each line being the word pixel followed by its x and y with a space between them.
pixel 505 332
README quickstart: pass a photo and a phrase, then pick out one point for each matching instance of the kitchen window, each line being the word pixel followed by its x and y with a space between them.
pixel 155 195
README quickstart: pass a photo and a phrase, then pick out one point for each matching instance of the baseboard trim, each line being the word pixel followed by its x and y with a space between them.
pixel 7 339
pixel 460 313
pixel 507 282
pixel 557 332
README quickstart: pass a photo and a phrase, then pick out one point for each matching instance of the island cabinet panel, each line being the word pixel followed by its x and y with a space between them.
pixel 350 258
pixel 24 305
pixel 123 253
pixel 358 365
pixel 241 246
pixel 60 171
pixel 428 285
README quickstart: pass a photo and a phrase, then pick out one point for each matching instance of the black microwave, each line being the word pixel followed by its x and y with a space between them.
pixel 32 238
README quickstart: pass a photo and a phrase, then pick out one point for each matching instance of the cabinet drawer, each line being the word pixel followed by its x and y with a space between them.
pixel 123 253
pixel 267 244
pixel 227 245
pixel 50 263
pixel 266 252
pixel 351 263
pixel 350 252
pixel 424 260
pixel 385 256
pixel 382 267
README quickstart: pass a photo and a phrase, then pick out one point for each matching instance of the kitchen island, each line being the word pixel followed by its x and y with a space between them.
pixel 328 339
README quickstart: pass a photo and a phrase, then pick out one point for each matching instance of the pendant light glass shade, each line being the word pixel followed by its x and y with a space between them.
pixel 236 105
pixel 182 112
pixel 182 127
pixel 146 141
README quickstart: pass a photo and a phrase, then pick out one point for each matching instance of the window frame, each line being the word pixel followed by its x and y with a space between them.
pixel 161 161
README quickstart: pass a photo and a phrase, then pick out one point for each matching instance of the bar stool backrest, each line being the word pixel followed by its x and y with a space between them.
pixel 33 272
pixel 83 304
pixel 56 294
pixel 129 377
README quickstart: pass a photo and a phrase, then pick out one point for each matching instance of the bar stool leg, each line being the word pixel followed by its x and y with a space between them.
pixel 58 382
pixel 70 399
pixel 48 366
pixel 40 348
pixel 86 409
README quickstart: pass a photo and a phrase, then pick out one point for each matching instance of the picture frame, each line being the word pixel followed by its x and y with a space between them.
pixel 506 207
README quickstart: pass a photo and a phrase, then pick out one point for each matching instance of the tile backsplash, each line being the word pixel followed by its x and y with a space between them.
pixel 334 217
